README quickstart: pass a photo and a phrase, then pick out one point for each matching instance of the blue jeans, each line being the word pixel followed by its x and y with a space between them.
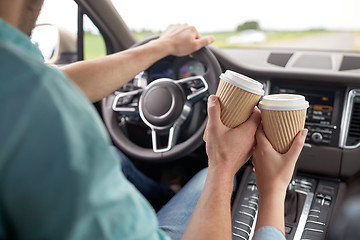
pixel 174 216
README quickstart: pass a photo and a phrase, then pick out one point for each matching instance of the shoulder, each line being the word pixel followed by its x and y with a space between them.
pixel 26 78
pixel 22 73
pixel 14 58
pixel 42 106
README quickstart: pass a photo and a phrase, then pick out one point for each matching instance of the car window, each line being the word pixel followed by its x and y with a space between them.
pixel 64 14
pixel 94 44
pixel 306 24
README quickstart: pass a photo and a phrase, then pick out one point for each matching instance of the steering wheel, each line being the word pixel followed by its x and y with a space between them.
pixel 163 105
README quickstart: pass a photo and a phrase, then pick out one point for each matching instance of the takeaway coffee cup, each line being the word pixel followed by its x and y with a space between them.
pixel 283 116
pixel 238 95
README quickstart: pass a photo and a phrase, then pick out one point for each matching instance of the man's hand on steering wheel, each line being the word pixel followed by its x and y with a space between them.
pixel 183 39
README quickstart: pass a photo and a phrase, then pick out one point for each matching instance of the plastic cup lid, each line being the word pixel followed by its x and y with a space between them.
pixel 243 82
pixel 283 102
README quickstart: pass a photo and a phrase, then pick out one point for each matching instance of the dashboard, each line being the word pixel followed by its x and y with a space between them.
pixel 176 68
pixel 334 137
pixel 333 120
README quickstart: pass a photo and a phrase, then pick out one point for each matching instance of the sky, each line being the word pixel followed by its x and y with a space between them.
pixel 227 14
pixel 222 15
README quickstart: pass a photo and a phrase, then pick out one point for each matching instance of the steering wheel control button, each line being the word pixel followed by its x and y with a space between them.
pixel 127 102
pixel 162 103
pixel 196 83
pixel 124 100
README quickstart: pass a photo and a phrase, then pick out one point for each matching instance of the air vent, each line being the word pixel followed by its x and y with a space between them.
pixel 313 61
pixel 279 59
pixel 353 136
pixel 350 63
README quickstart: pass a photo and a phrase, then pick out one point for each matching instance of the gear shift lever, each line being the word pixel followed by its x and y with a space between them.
pixel 294 202
pixel 291 206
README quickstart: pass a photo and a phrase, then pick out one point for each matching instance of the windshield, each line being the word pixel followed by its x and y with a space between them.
pixel 290 24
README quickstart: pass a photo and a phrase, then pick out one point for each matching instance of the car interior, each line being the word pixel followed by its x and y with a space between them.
pixel 171 150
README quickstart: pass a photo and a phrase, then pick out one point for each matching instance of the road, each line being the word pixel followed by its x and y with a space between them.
pixel 327 41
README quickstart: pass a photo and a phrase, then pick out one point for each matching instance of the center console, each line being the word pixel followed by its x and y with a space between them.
pixel 308 206
pixel 324 113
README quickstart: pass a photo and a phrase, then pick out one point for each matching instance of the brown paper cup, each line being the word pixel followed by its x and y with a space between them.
pixel 281 127
pixel 283 116
pixel 236 104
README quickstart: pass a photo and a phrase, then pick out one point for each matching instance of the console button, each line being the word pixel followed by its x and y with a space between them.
pixel 312 236
pixel 241 232
pixel 316 137
pixel 247 211
pixel 243 225
pixel 328 198
pixel 313 229
pixel 239 235
pixel 315 223
pixel 245 218
pixel 320 195
pixel 313 217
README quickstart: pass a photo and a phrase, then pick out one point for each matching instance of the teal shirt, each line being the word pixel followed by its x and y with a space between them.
pixel 59 179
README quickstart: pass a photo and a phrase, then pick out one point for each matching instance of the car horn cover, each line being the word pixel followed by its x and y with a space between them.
pixel 162 103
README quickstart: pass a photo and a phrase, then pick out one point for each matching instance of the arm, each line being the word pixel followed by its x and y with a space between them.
pixel 273 174
pixel 227 149
pixel 98 78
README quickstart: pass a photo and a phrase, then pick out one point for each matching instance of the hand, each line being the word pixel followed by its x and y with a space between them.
pixel 184 39
pixel 274 170
pixel 228 149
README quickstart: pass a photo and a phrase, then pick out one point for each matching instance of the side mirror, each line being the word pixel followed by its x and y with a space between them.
pixel 57 44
